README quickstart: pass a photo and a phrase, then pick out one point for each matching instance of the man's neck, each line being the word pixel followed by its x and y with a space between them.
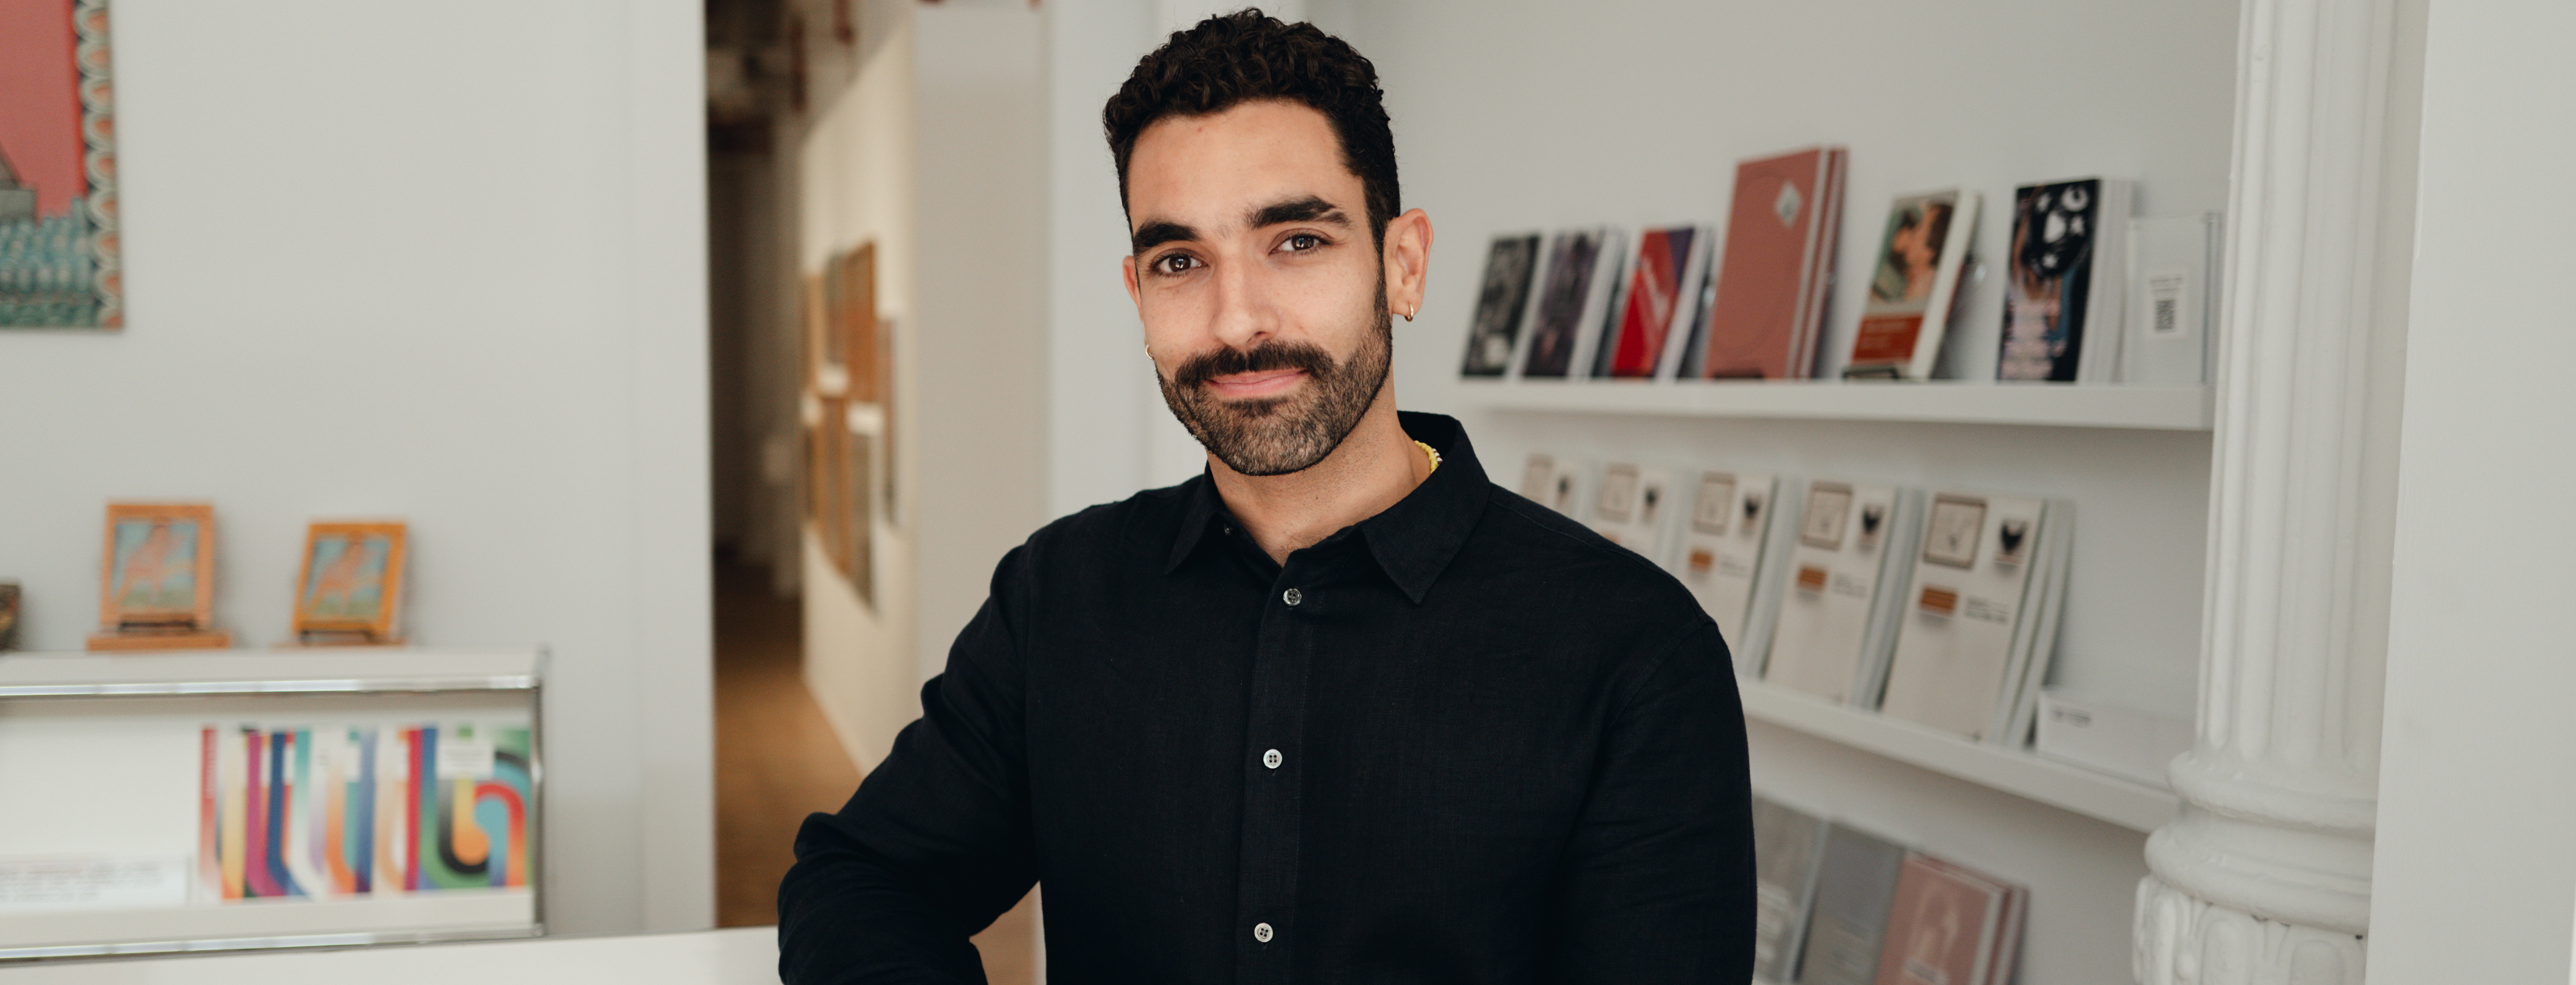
pixel 1375 467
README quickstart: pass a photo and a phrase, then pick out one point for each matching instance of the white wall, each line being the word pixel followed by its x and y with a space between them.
pixel 436 261
pixel 2474 873
pixel 1530 114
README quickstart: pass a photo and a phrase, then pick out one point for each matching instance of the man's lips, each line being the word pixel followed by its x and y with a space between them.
pixel 1262 383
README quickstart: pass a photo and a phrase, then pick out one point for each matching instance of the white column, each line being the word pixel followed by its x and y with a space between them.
pixel 2265 875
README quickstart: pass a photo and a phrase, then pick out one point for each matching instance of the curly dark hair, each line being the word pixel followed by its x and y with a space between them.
pixel 1247 56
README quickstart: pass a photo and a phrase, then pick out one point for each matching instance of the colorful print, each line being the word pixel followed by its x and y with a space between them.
pixel 337 812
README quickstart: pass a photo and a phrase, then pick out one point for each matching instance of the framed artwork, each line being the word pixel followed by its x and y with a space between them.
pixel 1828 509
pixel 60 264
pixel 1716 501
pixel 815 328
pixel 8 615
pixel 853 339
pixel 858 520
pixel 159 571
pixel 352 581
pixel 1958 522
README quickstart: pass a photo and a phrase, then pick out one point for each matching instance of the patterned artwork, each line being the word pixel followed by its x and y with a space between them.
pixel 332 812
pixel 59 261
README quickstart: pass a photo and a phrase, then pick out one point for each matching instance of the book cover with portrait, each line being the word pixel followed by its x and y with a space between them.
pixel 1922 253
pixel 1501 304
pixel 2064 282
pixel 1569 300
pixel 1775 267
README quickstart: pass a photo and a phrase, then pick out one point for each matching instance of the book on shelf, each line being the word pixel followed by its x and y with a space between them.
pixel 1950 925
pixel 1552 482
pixel 322 812
pixel 1847 923
pixel 1788 844
pixel 1580 275
pixel 2109 737
pixel 1922 261
pixel 1658 300
pixel 1731 556
pixel 1631 505
pixel 1834 628
pixel 2173 291
pixel 1983 591
pixel 1502 305
pixel 1773 272
pixel 2064 282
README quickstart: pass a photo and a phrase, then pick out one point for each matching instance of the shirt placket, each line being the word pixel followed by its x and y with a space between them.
pixel 1273 764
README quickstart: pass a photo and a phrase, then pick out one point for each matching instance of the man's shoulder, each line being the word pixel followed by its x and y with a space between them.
pixel 1562 557
pixel 1147 519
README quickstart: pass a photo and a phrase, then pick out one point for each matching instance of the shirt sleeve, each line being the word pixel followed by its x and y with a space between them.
pixel 936 843
pixel 1657 880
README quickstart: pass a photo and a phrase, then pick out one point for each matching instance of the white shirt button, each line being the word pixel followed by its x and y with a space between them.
pixel 1261 932
pixel 1292 596
pixel 1271 759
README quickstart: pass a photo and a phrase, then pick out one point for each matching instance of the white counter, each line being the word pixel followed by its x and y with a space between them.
pixel 738 956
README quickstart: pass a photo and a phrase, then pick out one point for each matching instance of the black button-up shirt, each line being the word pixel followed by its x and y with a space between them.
pixel 1464 740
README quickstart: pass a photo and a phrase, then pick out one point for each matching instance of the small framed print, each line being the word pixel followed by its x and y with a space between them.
pixel 2012 537
pixel 1716 501
pixel 1958 523
pixel 1537 477
pixel 1618 502
pixel 1873 521
pixel 159 567
pixel 352 582
pixel 1752 514
pixel 1828 509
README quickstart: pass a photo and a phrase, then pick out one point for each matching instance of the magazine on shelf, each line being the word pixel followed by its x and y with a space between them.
pixel 1654 311
pixel 1787 845
pixel 1580 275
pixel 1922 257
pixel 1847 925
pixel 1501 305
pixel 2064 282
pixel 321 812
pixel 1948 925
pixel 1632 505
pixel 1834 628
pixel 1733 542
pixel 2173 281
pixel 1970 630
pixel 1773 272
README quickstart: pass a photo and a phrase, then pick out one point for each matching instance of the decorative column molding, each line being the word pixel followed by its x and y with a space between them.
pixel 2265 875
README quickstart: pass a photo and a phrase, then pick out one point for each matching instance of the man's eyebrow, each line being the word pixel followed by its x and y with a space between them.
pixel 1157 233
pixel 1307 209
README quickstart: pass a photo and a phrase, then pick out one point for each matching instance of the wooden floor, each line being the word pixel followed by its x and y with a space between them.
pixel 777 761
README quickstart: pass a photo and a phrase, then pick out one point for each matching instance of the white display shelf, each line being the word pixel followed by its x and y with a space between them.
pixel 354 669
pixel 2161 408
pixel 2101 796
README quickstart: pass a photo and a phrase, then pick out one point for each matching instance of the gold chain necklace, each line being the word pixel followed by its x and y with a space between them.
pixel 1433 452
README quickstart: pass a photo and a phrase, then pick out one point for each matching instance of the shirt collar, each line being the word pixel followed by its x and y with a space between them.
pixel 1412 540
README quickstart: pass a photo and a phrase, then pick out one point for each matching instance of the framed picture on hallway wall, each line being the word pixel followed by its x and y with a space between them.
pixel 351 590
pixel 60 264
pixel 158 568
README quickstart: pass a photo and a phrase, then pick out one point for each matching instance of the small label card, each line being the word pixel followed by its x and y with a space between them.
pixel 92 883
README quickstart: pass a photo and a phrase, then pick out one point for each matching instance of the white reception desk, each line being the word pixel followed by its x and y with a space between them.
pixel 739 956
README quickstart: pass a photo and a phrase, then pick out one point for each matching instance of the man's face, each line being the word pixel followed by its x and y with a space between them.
pixel 1262 293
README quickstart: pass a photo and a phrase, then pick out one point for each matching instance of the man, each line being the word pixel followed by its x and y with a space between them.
pixel 1338 710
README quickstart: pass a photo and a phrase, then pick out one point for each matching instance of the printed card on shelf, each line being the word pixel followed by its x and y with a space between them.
pixel 1501 305
pixel 1906 314
pixel 1631 507
pixel 1831 636
pixel 1732 542
pixel 2173 276
pixel 1946 925
pixel 1969 618
pixel 1787 845
pixel 1847 926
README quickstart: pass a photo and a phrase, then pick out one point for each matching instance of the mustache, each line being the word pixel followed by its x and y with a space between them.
pixel 1304 356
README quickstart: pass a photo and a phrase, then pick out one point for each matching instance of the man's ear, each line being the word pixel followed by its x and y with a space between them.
pixel 1408 261
pixel 1127 272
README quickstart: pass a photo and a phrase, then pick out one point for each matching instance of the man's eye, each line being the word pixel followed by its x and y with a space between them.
pixel 1303 242
pixel 1175 263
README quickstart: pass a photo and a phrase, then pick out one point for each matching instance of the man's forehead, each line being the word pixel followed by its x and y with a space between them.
pixel 1215 171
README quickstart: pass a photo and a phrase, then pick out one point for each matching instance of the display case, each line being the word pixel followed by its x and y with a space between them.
pixel 230 800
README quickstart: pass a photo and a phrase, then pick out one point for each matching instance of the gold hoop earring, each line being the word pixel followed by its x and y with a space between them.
pixel 1408 316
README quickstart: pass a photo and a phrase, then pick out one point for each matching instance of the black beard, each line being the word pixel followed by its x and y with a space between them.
pixel 1280 435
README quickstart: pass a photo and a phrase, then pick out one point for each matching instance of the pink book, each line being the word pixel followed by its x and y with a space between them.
pixel 1780 237
pixel 1944 926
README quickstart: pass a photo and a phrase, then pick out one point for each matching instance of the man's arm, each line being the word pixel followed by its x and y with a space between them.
pixel 1657 881
pixel 936 843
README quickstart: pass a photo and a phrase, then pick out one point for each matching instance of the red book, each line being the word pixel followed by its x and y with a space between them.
pixel 209 867
pixel 1780 239
pixel 1666 259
